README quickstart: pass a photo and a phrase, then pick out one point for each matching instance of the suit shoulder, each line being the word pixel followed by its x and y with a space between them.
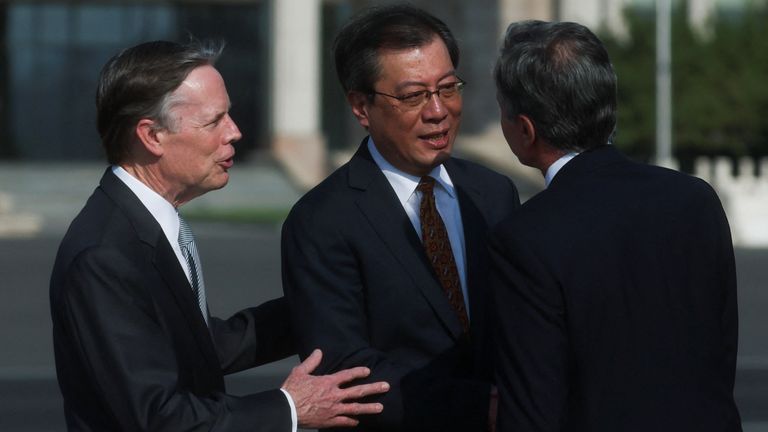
pixel 332 194
pixel 99 224
pixel 686 186
pixel 476 170
pixel 495 185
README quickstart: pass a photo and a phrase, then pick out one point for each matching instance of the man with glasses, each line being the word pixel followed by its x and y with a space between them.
pixel 385 262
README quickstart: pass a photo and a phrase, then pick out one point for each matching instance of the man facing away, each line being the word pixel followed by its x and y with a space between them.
pixel 136 349
pixel 615 288
pixel 385 262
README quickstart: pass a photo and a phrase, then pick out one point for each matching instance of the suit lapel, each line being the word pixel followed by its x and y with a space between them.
pixel 474 227
pixel 380 206
pixel 164 259
pixel 176 280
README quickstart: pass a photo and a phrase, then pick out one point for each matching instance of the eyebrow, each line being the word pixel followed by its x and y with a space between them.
pixel 220 115
pixel 420 83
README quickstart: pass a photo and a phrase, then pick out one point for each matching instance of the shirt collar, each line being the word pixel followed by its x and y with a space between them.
pixel 405 184
pixel 557 165
pixel 164 212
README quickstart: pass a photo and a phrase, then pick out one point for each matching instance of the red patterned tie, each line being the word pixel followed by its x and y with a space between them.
pixel 438 248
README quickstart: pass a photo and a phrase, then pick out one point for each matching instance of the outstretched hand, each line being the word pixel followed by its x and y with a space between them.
pixel 322 403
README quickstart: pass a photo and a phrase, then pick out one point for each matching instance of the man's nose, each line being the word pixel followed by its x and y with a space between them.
pixel 434 109
pixel 235 134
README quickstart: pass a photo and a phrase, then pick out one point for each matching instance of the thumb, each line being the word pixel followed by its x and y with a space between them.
pixel 310 363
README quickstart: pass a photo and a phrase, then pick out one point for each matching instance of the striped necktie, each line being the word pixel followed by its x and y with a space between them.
pixel 189 251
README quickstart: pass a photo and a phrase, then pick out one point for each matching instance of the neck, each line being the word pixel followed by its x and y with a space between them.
pixel 152 178
pixel 548 158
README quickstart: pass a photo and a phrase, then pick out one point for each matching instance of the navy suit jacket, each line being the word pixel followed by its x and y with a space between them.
pixel 133 352
pixel 361 289
pixel 615 290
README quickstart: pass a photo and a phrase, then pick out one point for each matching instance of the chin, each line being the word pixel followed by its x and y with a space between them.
pixel 220 181
pixel 442 156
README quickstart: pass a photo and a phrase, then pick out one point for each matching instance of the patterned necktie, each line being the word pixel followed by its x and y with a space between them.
pixel 189 251
pixel 438 247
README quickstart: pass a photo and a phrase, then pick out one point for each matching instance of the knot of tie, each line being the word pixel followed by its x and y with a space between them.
pixel 426 185
pixel 185 234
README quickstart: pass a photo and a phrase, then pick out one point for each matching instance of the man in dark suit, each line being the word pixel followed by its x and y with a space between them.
pixel 385 262
pixel 135 346
pixel 615 287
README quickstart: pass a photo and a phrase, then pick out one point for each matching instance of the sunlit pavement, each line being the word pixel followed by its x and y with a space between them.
pixel 242 268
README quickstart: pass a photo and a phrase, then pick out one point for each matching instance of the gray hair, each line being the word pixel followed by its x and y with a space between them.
pixel 139 83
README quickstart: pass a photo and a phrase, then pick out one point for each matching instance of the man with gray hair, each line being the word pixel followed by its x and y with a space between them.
pixel 136 348
pixel 615 288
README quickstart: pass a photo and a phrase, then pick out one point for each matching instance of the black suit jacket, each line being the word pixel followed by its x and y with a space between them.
pixel 133 352
pixel 615 290
pixel 360 288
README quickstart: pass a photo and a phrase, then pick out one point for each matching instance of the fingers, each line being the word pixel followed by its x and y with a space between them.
pixel 351 374
pixel 310 363
pixel 340 416
pixel 357 409
pixel 362 390
pixel 342 421
pixel 334 422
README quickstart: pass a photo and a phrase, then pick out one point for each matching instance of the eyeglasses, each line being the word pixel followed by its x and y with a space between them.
pixel 445 92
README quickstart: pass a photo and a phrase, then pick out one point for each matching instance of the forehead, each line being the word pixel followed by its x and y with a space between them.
pixel 201 94
pixel 418 65
pixel 203 84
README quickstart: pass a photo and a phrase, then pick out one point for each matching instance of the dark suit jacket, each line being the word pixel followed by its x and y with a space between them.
pixel 132 350
pixel 616 295
pixel 360 288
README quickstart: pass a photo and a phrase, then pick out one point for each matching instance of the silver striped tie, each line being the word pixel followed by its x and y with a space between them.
pixel 189 250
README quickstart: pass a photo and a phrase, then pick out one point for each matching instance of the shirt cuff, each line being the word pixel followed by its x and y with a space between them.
pixel 294 417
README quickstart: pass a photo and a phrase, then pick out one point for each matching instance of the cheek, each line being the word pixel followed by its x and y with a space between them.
pixel 212 148
pixel 455 109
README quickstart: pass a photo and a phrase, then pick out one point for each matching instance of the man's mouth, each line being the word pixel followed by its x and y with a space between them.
pixel 437 139
pixel 227 163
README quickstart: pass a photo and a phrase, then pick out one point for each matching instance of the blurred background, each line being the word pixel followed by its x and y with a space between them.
pixel 693 94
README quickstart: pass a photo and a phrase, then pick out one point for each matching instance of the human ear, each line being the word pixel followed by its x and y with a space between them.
pixel 150 136
pixel 527 129
pixel 359 103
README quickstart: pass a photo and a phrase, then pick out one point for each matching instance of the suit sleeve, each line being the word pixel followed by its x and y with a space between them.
pixel 131 363
pixel 532 348
pixel 322 281
pixel 253 336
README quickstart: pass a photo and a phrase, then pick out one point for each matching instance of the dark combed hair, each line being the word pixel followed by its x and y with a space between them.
pixel 138 83
pixel 393 27
pixel 560 76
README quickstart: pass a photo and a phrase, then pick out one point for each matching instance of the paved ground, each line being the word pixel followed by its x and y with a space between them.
pixel 234 257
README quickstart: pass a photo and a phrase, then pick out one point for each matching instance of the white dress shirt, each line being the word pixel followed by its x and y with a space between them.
pixel 447 203
pixel 168 217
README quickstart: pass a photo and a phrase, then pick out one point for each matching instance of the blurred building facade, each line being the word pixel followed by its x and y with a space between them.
pixel 280 77
pixel 277 66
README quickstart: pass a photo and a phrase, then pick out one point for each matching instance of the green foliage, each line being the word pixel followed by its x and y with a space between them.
pixel 719 84
pixel 245 215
